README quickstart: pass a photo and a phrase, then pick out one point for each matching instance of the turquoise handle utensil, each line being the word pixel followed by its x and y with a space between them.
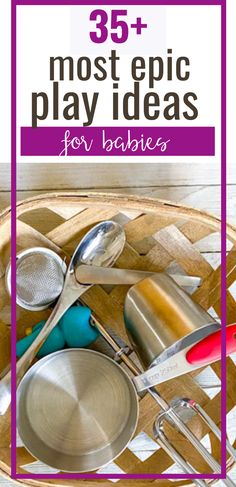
pixel 73 330
pixel 55 341
pixel 76 328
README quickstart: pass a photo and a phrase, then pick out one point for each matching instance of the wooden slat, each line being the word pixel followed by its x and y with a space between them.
pixel 206 197
pixel 181 249
pixel 159 234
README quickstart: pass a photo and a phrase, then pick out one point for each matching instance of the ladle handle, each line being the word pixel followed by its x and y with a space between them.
pixel 111 276
pixel 26 359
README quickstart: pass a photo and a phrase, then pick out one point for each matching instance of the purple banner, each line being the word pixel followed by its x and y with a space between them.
pixel 118 141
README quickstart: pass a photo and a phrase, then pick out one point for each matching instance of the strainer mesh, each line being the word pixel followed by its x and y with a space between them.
pixel 39 279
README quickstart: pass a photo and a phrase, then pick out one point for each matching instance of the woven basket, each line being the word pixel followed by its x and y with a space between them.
pixel 160 235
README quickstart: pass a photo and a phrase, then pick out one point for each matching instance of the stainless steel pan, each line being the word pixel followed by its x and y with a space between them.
pixel 77 410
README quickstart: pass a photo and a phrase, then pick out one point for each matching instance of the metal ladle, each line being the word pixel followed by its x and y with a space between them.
pixel 101 246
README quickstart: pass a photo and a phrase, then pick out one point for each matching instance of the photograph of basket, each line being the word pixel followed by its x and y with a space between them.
pixel 160 236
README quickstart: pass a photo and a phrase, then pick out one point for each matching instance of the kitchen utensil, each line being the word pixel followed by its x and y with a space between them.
pixel 73 330
pixel 55 341
pixel 76 410
pixel 161 319
pixel 188 359
pixel 121 352
pixel 184 403
pixel 40 275
pixel 75 325
pixel 97 275
pixel 168 233
pixel 210 347
pixel 101 246
pixel 181 406
pixel 170 414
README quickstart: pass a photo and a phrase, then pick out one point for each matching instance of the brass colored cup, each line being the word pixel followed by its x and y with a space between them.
pixel 159 315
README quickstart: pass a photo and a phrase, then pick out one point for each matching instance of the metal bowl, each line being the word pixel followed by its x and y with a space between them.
pixel 76 410
pixel 40 276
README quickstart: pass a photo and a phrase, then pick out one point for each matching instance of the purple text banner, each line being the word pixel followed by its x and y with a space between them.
pixel 118 141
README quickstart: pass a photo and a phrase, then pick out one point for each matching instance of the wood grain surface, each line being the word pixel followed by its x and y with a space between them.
pixel 78 176
pixel 195 187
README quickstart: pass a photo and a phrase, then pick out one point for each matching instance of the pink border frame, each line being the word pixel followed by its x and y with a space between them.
pixel 14 474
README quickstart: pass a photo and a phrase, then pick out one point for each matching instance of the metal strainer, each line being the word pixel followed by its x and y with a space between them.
pixel 40 276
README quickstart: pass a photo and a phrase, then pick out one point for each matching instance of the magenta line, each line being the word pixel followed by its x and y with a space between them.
pixel 118 476
pixel 223 242
pixel 13 242
pixel 119 2
pixel 183 141
pixel 13 239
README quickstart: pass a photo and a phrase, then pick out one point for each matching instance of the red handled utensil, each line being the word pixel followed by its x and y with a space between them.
pixel 170 414
pixel 188 359
pixel 209 349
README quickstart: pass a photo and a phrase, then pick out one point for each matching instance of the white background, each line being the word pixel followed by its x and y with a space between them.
pixel 180 32
pixel 205 197
pixel 5 7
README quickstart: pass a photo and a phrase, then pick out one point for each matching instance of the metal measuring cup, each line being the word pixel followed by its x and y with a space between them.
pixel 161 319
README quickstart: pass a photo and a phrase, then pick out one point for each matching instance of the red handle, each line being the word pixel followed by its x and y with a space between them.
pixel 209 349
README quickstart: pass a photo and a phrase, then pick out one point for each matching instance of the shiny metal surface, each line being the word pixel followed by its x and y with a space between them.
pixel 40 274
pixel 161 319
pixel 102 245
pixel 178 363
pixel 100 275
pixel 169 448
pixel 173 366
pixel 170 414
pixel 197 408
pixel 76 410
pixel 182 405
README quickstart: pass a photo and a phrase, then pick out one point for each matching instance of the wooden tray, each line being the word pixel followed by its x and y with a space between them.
pixel 160 235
